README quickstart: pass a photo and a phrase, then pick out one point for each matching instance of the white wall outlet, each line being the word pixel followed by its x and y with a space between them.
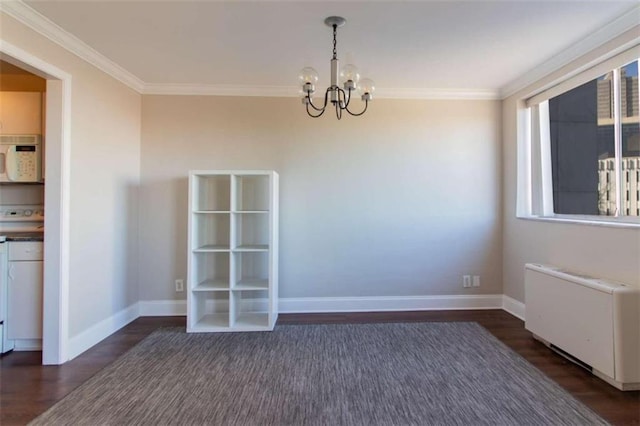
pixel 179 285
pixel 476 281
pixel 466 281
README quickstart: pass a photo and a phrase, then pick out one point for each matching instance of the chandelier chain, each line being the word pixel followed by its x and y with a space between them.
pixel 335 51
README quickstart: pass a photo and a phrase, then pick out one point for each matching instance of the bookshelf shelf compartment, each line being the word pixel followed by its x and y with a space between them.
pixel 214 193
pixel 209 311
pixel 252 320
pixel 211 232
pixel 250 308
pixel 210 271
pixel 251 269
pixel 251 231
pixel 252 192
pixel 233 255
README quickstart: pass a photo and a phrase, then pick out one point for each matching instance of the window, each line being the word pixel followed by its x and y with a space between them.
pixel 583 146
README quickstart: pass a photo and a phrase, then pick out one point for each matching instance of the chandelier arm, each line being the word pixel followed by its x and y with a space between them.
pixel 347 97
pixel 326 96
pixel 317 115
pixel 338 111
pixel 357 114
pixel 343 100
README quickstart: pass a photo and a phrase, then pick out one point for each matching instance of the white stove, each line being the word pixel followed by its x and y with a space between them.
pixel 17 223
pixel 21 218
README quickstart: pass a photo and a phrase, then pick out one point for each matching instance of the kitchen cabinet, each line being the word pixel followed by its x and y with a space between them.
pixel 21 113
pixel 25 289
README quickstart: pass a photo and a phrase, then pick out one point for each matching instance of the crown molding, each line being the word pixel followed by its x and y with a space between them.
pixel 42 25
pixel 220 90
pixel 292 91
pixel 615 28
pixel 437 94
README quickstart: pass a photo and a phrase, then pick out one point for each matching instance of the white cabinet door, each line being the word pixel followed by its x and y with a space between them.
pixel 21 113
pixel 24 319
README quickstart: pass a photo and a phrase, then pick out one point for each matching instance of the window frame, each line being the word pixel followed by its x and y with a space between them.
pixel 534 196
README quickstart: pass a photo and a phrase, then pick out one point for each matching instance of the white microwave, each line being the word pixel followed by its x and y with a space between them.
pixel 20 158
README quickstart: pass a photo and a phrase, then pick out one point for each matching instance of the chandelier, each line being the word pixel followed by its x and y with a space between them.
pixel 349 76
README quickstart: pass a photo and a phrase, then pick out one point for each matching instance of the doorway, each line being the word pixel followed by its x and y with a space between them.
pixel 56 200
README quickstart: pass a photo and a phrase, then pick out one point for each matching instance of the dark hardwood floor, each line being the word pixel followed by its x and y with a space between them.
pixel 27 388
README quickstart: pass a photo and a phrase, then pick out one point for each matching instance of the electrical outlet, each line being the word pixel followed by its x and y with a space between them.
pixel 179 285
pixel 476 281
pixel 466 281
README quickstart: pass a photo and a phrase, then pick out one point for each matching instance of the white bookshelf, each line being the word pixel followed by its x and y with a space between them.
pixel 233 251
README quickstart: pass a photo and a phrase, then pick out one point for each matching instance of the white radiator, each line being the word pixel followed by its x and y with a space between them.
pixel 593 320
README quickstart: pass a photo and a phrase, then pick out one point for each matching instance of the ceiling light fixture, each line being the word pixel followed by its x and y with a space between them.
pixel 349 76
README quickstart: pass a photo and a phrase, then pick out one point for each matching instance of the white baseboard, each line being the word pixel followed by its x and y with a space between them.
pixel 100 331
pixel 163 308
pixel 388 303
pixel 150 308
pixel 513 306
pixel 27 345
pixel 347 304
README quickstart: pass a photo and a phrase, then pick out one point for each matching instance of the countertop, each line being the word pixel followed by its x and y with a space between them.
pixel 23 236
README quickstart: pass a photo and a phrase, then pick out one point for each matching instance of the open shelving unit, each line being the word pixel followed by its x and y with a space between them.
pixel 233 251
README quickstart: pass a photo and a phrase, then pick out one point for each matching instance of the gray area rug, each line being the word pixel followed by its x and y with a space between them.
pixel 364 374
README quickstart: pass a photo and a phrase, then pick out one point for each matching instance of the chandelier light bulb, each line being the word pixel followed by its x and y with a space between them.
pixel 308 75
pixel 367 87
pixel 349 73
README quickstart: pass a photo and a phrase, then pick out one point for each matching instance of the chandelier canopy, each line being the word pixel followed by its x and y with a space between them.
pixel 349 76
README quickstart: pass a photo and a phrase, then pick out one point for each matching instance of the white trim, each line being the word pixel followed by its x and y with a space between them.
pixel 437 94
pixel 293 92
pixel 513 306
pixel 388 303
pixel 44 26
pixel 614 29
pixel 27 345
pixel 219 90
pixel 100 331
pixel 606 221
pixel 163 308
pixel 546 174
pixel 524 172
pixel 348 304
pixel 64 233
pixel 57 194
pixel 591 70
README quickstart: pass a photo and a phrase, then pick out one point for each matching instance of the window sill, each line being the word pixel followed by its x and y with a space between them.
pixel 586 220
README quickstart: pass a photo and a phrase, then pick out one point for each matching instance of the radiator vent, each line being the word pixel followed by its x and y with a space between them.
pixel 570 357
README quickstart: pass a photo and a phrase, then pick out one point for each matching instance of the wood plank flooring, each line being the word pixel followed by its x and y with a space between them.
pixel 27 388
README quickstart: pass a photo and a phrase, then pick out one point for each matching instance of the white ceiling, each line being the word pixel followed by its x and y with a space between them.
pixel 470 45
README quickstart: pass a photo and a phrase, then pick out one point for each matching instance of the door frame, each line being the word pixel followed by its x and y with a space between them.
pixel 57 150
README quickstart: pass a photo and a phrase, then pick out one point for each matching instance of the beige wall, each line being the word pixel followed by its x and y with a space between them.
pixel 402 201
pixel 606 252
pixel 105 171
